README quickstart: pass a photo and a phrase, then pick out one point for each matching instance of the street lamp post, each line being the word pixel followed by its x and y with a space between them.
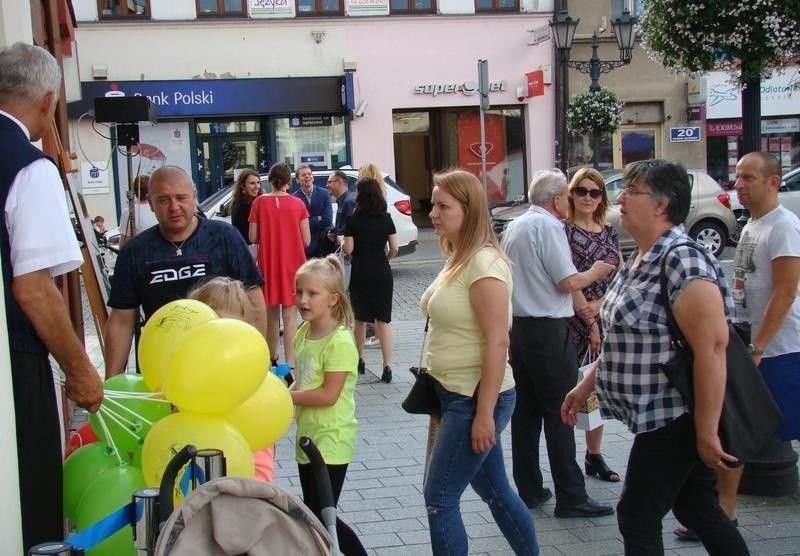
pixel 564 32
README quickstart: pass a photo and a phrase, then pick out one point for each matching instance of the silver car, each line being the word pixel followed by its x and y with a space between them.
pixel 710 221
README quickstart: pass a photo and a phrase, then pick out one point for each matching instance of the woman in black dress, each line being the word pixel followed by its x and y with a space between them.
pixel 366 234
pixel 245 191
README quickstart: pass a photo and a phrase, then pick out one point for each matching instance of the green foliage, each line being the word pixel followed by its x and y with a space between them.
pixel 746 38
pixel 601 111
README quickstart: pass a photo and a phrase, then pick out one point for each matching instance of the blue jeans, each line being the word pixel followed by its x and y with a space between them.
pixel 453 465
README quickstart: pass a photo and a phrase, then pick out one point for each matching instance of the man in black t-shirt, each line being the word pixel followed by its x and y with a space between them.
pixel 162 263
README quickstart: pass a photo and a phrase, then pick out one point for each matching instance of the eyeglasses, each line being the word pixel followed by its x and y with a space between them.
pixel 630 191
pixel 581 191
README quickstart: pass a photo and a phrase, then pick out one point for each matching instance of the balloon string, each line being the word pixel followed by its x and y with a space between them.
pixel 102 421
pixel 129 411
pixel 121 421
pixel 153 396
pixel 140 398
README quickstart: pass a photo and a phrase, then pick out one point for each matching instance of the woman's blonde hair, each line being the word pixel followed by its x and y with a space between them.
pixel 370 170
pixel 227 295
pixel 476 230
pixel 593 175
pixel 331 272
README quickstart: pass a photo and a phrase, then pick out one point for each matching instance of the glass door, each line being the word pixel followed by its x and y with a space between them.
pixel 223 147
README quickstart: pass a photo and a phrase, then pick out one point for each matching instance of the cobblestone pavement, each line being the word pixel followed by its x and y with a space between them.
pixel 382 496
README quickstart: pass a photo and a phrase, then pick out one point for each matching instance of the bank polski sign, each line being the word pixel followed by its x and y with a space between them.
pixel 466 88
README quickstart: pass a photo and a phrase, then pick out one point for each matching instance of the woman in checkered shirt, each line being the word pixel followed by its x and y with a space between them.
pixel 674 452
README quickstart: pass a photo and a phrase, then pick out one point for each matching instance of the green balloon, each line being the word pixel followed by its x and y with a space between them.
pixel 108 493
pixel 129 446
pixel 81 468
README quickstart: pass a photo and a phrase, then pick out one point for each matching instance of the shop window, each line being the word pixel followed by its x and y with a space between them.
pixel 402 7
pixel 123 8
pixel 311 138
pixel 496 5
pixel 215 8
pixel 320 7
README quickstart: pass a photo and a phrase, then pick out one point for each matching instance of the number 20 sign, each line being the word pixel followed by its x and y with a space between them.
pixel 684 134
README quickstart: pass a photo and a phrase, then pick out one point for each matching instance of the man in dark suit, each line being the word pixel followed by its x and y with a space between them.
pixel 37 242
pixel 320 211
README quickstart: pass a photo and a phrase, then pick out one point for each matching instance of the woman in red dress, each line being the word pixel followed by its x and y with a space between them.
pixel 279 225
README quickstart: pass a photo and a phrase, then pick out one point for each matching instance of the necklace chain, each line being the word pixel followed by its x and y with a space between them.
pixel 177 247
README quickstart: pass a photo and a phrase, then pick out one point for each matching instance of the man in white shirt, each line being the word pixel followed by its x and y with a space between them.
pixel 37 242
pixel 542 353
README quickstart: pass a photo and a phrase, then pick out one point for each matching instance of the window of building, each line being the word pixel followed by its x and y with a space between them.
pixel 413 6
pixel 220 7
pixel 320 140
pixel 616 7
pixel 496 5
pixel 123 8
pixel 320 7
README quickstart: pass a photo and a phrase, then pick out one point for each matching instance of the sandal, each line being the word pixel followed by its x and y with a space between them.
pixel 595 466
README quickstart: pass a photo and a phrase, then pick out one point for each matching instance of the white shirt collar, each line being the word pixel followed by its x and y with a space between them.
pixel 19 123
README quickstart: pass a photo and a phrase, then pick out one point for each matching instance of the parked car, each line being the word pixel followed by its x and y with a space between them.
pixel 398 204
pixel 710 221
pixel 788 196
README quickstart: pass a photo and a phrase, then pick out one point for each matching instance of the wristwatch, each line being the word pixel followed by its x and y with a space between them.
pixel 753 350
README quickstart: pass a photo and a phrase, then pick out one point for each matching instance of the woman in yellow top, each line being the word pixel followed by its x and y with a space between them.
pixel 469 306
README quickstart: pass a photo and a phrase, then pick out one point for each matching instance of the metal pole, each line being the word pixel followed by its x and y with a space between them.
pixel 483 89
pixel 594 74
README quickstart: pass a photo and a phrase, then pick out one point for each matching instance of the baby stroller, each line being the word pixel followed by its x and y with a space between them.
pixel 233 515
pixel 223 516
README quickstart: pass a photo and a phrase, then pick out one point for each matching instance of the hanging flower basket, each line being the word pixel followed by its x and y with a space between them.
pixel 600 111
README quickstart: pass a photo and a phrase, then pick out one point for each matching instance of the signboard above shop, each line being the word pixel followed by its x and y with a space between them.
pixel 780 95
pixel 218 97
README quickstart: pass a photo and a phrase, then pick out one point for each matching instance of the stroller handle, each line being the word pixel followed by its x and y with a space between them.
pixel 165 504
pixel 320 471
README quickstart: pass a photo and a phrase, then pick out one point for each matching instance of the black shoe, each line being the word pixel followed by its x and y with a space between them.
pixel 544 495
pixel 689 535
pixel 595 466
pixel 362 367
pixel 387 374
pixel 590 508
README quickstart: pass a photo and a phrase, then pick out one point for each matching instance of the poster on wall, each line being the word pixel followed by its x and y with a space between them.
pixel 469 151
pixel 94 177
pixel 165 143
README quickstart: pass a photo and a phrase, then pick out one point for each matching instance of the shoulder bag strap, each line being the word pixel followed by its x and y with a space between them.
pixel 678 339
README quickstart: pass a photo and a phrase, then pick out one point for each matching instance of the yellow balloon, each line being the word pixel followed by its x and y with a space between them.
pixel 169 435
pixel 265 416
pixel 215 366
pixel 161 334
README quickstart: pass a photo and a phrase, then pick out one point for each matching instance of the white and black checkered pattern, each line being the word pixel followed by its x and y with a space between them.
pixel 630 385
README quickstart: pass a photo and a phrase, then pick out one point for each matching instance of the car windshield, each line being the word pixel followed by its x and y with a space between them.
pixel 214 199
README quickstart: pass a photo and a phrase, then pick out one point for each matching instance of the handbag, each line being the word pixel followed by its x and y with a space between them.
pixel 749 414
pixel 422 399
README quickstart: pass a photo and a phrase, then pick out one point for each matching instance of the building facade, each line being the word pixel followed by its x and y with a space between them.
pixel 328 83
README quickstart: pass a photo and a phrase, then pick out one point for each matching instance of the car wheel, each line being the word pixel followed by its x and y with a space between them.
pixel 710 235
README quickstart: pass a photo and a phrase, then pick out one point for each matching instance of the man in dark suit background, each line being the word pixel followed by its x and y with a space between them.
pixel 320 211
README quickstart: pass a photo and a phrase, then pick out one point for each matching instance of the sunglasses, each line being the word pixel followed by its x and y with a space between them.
pixel 581 191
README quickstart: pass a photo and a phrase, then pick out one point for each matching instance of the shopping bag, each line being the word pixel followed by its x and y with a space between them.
pixel 589 417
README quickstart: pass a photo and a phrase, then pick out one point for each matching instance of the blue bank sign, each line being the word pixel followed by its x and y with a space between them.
pixel 684 134
pixel 219 97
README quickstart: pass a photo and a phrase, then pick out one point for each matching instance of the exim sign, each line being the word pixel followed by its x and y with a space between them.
pixel 467 88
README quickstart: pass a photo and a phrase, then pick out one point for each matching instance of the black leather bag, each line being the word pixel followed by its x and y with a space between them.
pixel 749 413
pixel 422 399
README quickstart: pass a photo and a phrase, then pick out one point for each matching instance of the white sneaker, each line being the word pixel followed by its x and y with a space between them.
pixel 372 342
